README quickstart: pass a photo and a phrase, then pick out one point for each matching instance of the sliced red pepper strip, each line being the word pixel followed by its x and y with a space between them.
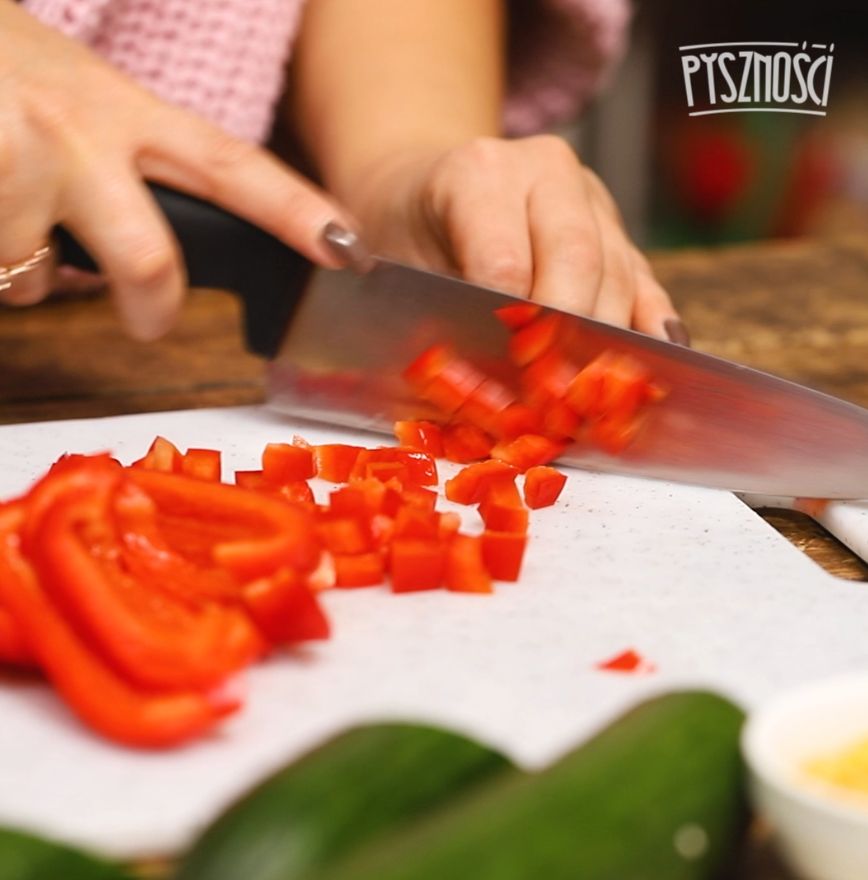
pixel 249 532
pixel 285 610
pixel 153 640
pixel 359 570
pixel 203 464
pixel 287 463
pixel 334 461
pixel 93 690
pixel 421 435
pixel 471 483
pixel 13 645
pixel 542 486
pixel 416 564
pixel 465 570
pixel 502 553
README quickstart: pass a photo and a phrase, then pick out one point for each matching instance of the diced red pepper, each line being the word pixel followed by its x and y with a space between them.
pixel 359 570
pixel 614 433
pixel 362 498
pixel 527 451
pixel 518 315
pixel 560 421
pixel 334 461
pixel 449 525
pixel 202 464
pixel 13 645
pixel 502 553
pixel 420 435
pixel 428 365
pixel 324 576
pixel 465 443
pixel 416 564
pixel 483 407
pixel 251 480
pixel 534 339
pixel 516 420
pixel 470 484
pixel 345 535
pixel 627 661
pixel 542 486
pixel 502 509
pixel 416 522
pixel 465 571
pixel 162 456
pixel 286 463
pixel 421 469
pixel 443 378
pixel 298 492
pixel 417 496
pixel 547 378
pixel 284 609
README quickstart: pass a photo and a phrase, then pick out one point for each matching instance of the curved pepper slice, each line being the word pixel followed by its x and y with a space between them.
pixel 13 646
pixel 90 687
pixel 153 640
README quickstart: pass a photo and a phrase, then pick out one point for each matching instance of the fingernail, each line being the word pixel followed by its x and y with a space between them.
pixel 677 332
pixel 347 247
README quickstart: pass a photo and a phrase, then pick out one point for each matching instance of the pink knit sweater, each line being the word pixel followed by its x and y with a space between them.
pixel 225 59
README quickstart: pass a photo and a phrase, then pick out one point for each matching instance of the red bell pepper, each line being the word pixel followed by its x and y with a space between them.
pixel 528 451
pixel 286 463
pixel 542 486
pixel 91 688
pixel 421 469
pixel 518 315
pixel 502 553
pixel 628 661
pixel 471 483
pixel 285 609
pixel 534 339
pixel 203 464
pixel 465 570
pixel 13 645
pixel 162 456
pixel 416 564
pixel 359 570
pixel 502 509
pixel 420 435
pixel 465 443
pixel 334 461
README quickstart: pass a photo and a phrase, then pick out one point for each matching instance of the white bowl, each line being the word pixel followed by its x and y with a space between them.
pixel 821 832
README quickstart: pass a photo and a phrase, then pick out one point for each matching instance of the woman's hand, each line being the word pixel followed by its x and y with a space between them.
pixel 523 216
pixel 77 138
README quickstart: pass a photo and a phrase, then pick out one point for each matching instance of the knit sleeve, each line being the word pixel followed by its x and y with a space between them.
pixel 560 53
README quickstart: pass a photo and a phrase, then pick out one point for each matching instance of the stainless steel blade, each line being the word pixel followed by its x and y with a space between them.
pixel 721 425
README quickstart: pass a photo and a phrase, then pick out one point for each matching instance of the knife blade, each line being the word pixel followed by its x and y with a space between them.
pixel 340 341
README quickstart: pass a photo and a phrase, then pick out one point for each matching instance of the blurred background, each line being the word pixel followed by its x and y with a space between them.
pixel 683 180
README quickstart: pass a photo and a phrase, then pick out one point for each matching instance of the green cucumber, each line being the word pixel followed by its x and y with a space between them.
pixel 335 799
pixel 656 796
pixel 25 857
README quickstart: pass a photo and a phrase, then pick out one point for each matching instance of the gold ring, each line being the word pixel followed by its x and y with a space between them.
pixel 35 261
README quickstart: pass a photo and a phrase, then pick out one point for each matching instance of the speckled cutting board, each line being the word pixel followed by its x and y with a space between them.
pixel 691 578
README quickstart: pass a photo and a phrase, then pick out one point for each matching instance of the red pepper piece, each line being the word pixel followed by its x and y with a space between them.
pixel 428 365
pixel 485 404
pixel 91 688
pixel 13 645
pixel 161 456
pixel 518 315
pixel 284 463
pixel 560 420
pixel 420 467
pixel 465 443
pixel 585 392
pixel 527 451
pixel 346 535
pixel 285 610
pixel 251 480
pixel 449 525
pixel 324 576
pixel 202 464
pixel 297 492
pixel 420 435
pixel 502 509
pixel 359 570
pixel 534 339
pixel 542 486
pixel 362 498
pixel 547 378
pixel 465 571
pixel 471 483
pixel 387 470
pixel 502 553
pixel 334 461
pixel 453 386
pixel 627 661
pixel 249 532
pixel 416 564
pixel 417 496
pixel 516 420
pixel 415 522
pixel 615 432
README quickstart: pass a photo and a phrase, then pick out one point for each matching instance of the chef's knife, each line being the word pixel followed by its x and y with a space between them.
pixel 341 339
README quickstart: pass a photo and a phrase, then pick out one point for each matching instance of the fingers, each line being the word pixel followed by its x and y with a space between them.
pixel 653 309
pixel 193 156
pixel 114 217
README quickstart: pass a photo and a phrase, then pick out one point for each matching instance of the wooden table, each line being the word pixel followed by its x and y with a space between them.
pixel 797 309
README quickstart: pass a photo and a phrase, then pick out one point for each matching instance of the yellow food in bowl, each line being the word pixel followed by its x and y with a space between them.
pixel 846 768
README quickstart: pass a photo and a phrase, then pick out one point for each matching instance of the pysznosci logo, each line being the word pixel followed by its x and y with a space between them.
pixel 757 77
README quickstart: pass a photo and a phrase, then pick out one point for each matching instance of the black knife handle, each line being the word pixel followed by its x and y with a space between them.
pixel 223 251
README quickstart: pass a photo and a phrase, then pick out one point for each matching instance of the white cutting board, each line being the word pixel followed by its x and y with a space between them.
pixel 691 578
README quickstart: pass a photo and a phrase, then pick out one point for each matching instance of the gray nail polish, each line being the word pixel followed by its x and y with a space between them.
pixel 347 246
pixel 677 332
